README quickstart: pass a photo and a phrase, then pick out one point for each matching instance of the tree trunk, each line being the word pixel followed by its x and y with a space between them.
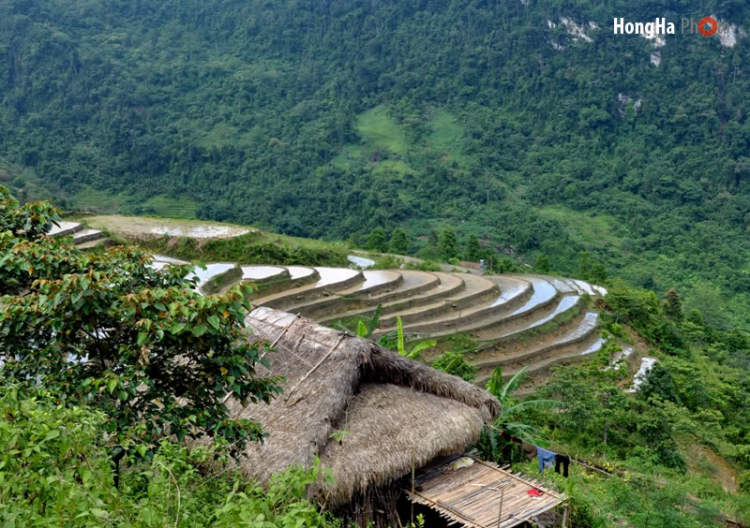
pixel 117 458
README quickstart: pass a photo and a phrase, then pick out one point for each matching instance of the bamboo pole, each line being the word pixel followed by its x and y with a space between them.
pixel 319 363
pixel 413 474
pixel 500 513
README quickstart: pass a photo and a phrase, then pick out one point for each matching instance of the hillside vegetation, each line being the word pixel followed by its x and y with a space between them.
pixel 528 124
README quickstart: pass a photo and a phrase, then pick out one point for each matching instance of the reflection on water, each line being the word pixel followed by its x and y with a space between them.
pixel 543 292
pixel 361 261
pixel 376 278
pixel 333 275
pixel 297 272
pixel 647 364
pixel 260 272
pixel 205 275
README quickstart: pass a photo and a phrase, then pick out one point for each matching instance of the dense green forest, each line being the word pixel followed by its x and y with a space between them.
pixel 527 124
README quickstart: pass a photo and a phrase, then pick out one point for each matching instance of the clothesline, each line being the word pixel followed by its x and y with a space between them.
pixel 505 436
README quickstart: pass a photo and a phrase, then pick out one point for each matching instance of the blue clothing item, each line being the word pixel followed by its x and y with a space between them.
pixel 546 458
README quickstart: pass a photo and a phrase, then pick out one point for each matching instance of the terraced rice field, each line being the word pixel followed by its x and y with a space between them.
pixel 507 321
pixel 83 237
pixel 510 321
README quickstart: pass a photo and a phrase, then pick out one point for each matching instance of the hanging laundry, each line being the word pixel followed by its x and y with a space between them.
pixel 563 460
pixel 546 458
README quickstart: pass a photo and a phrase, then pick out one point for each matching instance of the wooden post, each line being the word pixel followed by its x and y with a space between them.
pixel 565 517
pixel 500 513
pixel 413 471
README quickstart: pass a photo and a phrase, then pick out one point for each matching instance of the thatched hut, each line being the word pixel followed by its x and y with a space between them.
pixel 395 413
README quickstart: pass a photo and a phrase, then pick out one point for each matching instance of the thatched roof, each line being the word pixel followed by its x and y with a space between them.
pixel 392 408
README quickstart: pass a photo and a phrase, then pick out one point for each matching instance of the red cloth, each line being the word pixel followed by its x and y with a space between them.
pixel 533 492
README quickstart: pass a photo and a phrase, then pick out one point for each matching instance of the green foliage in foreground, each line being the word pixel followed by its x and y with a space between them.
pixel 107 330
pixel 55 470
pixel 414 350
pixel 400 340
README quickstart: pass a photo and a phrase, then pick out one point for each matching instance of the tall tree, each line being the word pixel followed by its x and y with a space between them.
pixel 584 264
pixel 108 330
pixel 598 273
pixel 673 305
pixel 376 240
pixel 543 264
pixel 448 243
pixel 399 243
pixel 473 248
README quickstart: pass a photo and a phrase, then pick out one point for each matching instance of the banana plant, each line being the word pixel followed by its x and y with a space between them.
pixel 365 330
pixel 416 349
pixel 507 420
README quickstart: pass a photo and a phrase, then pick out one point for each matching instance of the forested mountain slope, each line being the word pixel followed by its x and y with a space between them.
pixel 529 124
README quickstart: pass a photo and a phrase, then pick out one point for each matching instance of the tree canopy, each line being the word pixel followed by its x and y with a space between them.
pixel 109 330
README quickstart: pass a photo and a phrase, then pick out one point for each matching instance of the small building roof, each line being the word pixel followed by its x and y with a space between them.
pixel 392 412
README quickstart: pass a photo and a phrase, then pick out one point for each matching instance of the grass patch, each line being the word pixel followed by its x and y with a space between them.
pixel 94 200
pixel 225 134
pixel 350 157
pixel 586 229
pixel 459 343
pixel 89 199
pixel 251 248
pixel 379 130
pixel 447 135
pixel 171 207
pixel 393 167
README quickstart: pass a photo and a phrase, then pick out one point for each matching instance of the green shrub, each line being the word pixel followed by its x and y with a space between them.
pixel 744 482
pixel 454 363
pixel 425 265
pixel 387 262
pixel 252 248
pixel 55 471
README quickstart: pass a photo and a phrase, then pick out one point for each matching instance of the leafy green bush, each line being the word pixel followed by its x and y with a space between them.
pixel 454 363
pixel 399 242
pixel 252 248
pixel 387 262
pixel 55 471
pixel 744 482
pixel 137 343
pixel 425 265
